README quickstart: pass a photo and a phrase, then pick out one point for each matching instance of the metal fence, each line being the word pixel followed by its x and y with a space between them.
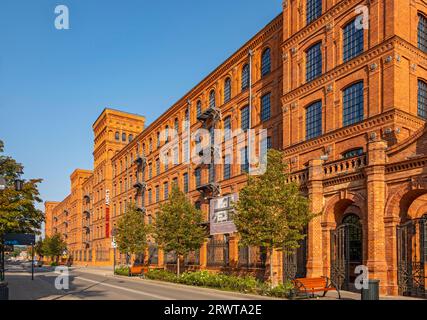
pixel 193 258
pixel 153 255
pixel 170 258
pixel 252 257
pixel 218 253
pixel 102 254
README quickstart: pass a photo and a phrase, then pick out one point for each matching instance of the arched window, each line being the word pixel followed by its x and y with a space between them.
pixel 313 120
pixel 123 137
pixel 130 137
pixel 266 62
pixel 199 108
pixel 352 41
pixel 117 136
pixel 352 153
pixel 245 77
pixel 212 100
pixel 313 10
pixel 227 90
pixel 353 104
pixel 158 139
pixel 150 146
pixel 422 99
pixel 314 62
pixel 422 32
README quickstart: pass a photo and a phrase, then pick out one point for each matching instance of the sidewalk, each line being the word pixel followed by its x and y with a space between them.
pixel 101 271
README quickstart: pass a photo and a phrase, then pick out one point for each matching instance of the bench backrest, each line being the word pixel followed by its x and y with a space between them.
pixel 310 283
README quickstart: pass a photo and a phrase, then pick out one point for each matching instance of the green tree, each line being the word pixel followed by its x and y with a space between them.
pixel 18 213
pixel 271 212
pixel 178 226
pixel 39 249
pixel 53 247
pixel 132 232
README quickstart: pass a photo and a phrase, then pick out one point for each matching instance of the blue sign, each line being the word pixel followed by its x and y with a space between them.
pixel 15 239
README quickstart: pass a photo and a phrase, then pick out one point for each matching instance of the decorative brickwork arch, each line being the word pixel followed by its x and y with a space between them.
pixel 399 202
pixel 338 204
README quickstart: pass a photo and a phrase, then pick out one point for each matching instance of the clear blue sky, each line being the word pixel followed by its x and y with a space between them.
pixel 136 55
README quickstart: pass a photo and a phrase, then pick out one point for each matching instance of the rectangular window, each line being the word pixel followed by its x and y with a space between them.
pixel 422 99
pixel 353 104
pixel 150 196
pixel 186 152
pixel 227 167
pixel 227 128
pixel 244 118
pixel 353 41
pixel 422 32
pixel 314 10
pixel 244 166
pixel 211 173
pixel 314 62
pixel 150 171
pixel 157 194
pixel 176 156
pixel 265 146
pixel 166 190
pixel 313 120
pixel 158 166
pixel 198 176
pixel 266 107
pixel 186 187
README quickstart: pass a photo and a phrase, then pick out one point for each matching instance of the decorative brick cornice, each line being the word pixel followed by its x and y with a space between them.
pixel 342 133
pixel 320 22
pixel 340 70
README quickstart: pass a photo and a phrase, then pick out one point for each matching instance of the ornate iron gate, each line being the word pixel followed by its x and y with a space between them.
pixel 346 252
pixel 411 254
pixel 295 262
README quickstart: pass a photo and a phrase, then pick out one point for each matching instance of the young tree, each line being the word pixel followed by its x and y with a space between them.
pixel 39 249
pixel 132 232
pixel 17 208
pixel 54 247
pixel 178 226
pixel 271 212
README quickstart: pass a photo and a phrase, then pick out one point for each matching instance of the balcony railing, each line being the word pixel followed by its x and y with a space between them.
pixel 345 166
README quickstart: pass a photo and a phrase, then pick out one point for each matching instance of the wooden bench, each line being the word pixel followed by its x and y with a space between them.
pixel 137 270
pixel 309 286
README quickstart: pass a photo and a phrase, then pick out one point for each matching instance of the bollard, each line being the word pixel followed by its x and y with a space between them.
pixel 373 291
pixel 4 291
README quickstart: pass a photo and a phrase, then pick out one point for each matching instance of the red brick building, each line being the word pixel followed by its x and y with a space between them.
pixel 340 87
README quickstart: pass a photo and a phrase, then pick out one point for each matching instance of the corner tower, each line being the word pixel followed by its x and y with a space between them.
pixel 113 130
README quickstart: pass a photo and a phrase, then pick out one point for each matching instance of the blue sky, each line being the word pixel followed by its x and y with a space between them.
pixel 136 55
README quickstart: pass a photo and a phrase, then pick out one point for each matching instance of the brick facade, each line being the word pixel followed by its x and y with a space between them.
pixel 373 169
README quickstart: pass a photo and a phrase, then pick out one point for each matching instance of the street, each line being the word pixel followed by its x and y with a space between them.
pixel 101 285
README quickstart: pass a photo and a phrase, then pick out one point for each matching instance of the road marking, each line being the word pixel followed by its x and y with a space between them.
pixel 125 289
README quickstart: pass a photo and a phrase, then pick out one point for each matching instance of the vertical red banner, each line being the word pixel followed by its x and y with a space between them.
pixel 107 222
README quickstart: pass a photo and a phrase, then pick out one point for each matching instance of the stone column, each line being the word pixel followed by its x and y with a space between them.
pixel 315 194
pixel 327 227
pixel 391 224
pixel 376 244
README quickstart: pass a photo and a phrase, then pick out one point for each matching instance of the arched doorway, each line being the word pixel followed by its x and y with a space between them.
pixel 412 257
pixel 346 251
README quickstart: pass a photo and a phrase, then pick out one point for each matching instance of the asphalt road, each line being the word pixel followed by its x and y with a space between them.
pixel 90 286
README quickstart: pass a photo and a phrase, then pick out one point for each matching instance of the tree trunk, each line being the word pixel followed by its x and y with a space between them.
pixel 271 269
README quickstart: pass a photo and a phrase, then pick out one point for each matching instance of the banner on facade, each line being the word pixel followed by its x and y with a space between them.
pixel 221 215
